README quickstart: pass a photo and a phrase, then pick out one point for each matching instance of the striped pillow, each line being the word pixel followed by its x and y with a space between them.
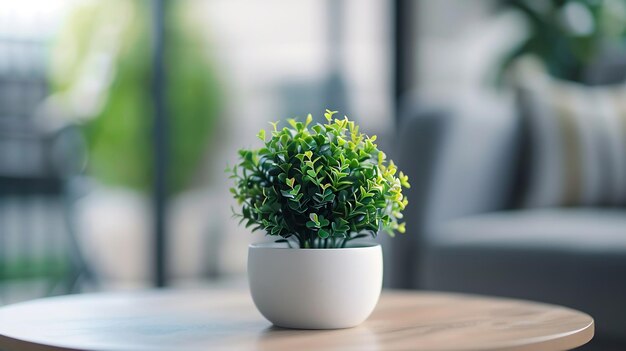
pixel 575 139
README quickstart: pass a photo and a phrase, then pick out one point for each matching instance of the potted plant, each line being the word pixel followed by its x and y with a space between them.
pixel 317 189
pixel 115 110
pixel 104 85
pixel 582 41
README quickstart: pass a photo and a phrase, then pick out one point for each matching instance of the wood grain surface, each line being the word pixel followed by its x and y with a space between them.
pixel 227 320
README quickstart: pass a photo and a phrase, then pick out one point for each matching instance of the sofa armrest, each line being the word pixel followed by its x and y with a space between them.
pixel 477 164
pixel 460 160
pixel 417 148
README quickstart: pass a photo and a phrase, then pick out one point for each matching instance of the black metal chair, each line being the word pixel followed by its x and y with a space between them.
pixel 39 167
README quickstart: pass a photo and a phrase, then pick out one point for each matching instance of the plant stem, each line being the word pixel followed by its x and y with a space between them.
pixel 345 241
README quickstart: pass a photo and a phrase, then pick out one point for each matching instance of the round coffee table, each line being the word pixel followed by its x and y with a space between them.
pixel 211 319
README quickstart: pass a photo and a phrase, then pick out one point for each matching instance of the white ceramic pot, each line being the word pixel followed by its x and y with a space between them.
pixel 315 288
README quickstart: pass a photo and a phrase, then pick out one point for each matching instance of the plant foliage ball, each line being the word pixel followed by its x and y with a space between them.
pixel 319 186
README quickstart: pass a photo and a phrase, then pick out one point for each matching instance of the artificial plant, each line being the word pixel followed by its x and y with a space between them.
pixel 105 48
pixel 318 186
pixel 574 38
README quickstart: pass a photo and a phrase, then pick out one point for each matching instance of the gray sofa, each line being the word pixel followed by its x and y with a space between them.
pixel 465 234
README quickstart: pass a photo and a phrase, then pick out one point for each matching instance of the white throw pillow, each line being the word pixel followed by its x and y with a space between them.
pixel 575 140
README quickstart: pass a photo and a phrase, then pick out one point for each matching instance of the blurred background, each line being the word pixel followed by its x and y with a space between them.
pixel 118 117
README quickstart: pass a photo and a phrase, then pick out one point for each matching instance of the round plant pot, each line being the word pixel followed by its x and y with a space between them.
pixel 315 288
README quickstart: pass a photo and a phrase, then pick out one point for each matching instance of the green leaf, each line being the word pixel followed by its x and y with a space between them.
pixel 274 126
pixel 318 129
pixel 323 222
pixel 339 234
pixel 282 177
pixel 404 180
pixel 287 194
pixel 323 234
pixel 401 228
pixel 261 135
pixel 329 115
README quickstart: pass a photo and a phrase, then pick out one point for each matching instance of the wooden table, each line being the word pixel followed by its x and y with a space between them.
pixel 219 320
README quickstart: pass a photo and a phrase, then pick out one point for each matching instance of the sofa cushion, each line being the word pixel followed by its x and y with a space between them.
pixel 573 257
pixel 575 143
